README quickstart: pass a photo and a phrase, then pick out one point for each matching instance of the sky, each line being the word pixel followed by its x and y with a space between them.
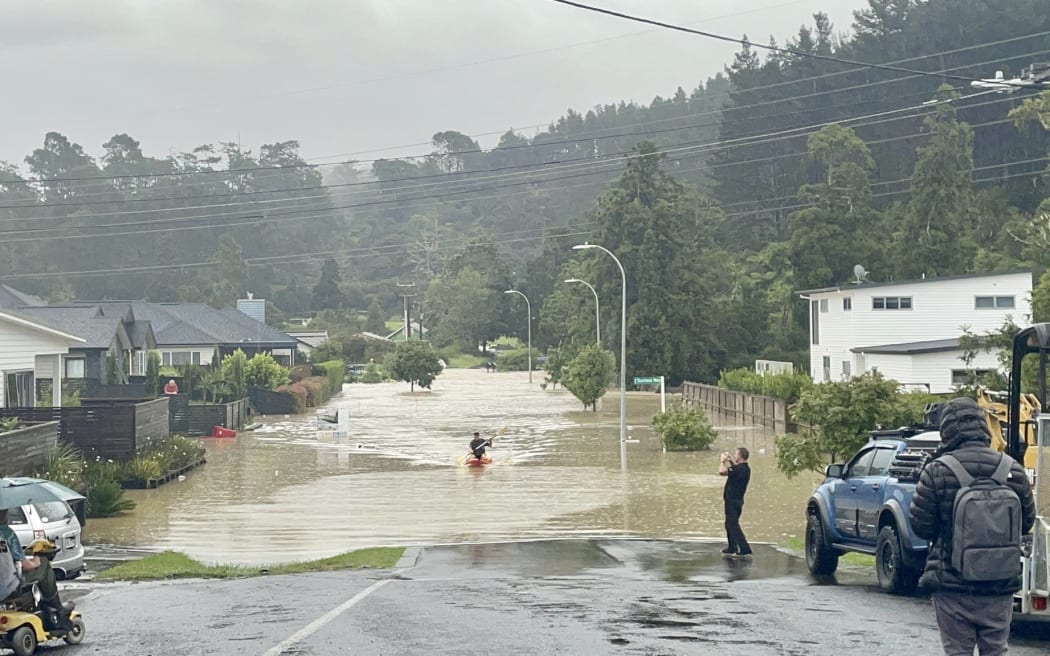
pixel 350 79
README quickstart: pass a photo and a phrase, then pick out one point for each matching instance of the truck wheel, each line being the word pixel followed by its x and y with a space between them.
pixel 821 559
pixel 23 641
pixel 894 575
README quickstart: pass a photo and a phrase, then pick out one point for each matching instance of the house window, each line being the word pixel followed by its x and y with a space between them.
pixel 165 358
pixel 891 302
pixel 814 322
pixel 993 302
pixel 74 368
pixel 846 370
pixel 140 358
pixel 847 304
pixel 824 305
pixel 196 357
pixel 827 368
pixel 963 376
pixel 18 389
pixel 179 359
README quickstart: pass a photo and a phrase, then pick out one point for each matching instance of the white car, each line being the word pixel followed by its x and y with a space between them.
pixel 54 521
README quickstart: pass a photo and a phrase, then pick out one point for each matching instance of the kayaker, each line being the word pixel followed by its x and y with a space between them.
pixel 478 445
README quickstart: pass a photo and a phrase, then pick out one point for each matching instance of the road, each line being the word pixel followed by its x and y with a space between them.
pixel 544 597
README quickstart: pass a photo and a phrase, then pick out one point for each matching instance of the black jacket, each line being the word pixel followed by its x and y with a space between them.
pixel 931 510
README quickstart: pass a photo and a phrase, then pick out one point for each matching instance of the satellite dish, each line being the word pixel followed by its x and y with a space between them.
pixel 860 274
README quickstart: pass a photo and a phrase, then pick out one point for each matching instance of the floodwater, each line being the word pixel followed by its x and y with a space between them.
pixel 289 491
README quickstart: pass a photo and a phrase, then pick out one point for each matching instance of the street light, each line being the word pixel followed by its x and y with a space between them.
pixel 623 350
pixel 597 315
pixel 528 306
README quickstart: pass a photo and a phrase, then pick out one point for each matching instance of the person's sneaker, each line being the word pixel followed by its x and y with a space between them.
pixel 728 551
pixel 742 555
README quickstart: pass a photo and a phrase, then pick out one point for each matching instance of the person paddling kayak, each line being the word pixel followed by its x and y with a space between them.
pixel 478 445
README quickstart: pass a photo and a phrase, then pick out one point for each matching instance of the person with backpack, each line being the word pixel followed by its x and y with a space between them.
pixel 973 504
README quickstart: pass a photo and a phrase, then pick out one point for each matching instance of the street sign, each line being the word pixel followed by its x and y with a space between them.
pixel 646 380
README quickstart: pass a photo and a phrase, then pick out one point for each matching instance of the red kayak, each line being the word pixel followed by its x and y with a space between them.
pixel 472 461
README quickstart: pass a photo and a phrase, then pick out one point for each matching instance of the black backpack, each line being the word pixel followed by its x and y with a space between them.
pixel 986 524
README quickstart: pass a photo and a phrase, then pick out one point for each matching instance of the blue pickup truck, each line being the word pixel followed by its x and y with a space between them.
pixel 862 506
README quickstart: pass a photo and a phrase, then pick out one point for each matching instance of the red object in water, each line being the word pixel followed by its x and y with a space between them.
pixel 475 462
pixel 219 431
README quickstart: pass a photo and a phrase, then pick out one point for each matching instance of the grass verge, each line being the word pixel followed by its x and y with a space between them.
pixel 175 565
pixel 465 361
pixel 858 559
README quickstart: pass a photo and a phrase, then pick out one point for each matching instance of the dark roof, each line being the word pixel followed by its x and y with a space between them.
pixel 140 332
pixel 87 322
pixel 193 324
pixel 11 298
pixel 911 348
pixel 869 285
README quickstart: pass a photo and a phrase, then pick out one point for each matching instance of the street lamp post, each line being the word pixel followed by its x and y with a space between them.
pixel 623 350
pixel 528 307
pixel 597 310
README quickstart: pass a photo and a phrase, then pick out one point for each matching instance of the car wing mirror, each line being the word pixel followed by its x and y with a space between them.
pixel 833 471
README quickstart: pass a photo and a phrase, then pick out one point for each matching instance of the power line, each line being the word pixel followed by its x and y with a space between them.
pixel 482 176
pixel 584 136
pixel 777 49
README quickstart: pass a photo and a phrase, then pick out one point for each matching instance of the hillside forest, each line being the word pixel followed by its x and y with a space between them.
pixel 722 200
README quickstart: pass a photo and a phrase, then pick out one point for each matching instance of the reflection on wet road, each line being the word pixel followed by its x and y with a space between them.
pixel 290 492
pixel 543 597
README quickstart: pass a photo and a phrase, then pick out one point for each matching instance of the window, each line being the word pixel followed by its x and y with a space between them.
pixel 993 302
pixel 963 376
pixel 74 367
pixel 165 358
pixel 847 304
pixel 861 464
pixel 196 357
pixel 880 464
pixel 18 390
pixel 891 302
pixel 814 322
pixel 16 516
pixel 179 359
pixel 53 511
pixel 845 369
pixel 827 368
pixel 824 305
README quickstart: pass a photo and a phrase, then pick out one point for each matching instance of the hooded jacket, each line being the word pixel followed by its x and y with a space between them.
pixel 964 434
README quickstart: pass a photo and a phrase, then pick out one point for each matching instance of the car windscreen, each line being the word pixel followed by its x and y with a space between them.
pixel 53 511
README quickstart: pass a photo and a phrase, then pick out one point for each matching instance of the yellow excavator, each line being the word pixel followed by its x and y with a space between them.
pixel 996 407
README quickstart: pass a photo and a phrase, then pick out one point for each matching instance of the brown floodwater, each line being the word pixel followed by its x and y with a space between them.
pixel 289 491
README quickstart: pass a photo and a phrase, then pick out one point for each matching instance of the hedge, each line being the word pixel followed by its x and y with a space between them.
pixel 333 370
pixel 787 386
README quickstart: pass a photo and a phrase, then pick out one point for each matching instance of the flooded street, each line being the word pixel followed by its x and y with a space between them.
pixel 289 492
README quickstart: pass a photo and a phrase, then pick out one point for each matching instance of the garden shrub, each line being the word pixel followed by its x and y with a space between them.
pixel 684 428
pixel 786 386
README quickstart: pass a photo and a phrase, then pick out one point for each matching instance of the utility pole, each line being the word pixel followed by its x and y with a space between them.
pixel 406 296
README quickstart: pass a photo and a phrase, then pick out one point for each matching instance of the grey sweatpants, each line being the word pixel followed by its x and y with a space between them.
pixel 967 620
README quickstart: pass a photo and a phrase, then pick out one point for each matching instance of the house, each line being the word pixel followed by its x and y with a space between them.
pixel 29 349
pixel 195 333
pixel 309 340
pixel 105 331
pixel 909 330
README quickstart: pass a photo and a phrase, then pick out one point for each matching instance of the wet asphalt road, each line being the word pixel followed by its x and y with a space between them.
pixel 550 597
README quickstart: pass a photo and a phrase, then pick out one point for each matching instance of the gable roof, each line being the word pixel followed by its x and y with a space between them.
pixel 894 283
pixel 311 338
pixel 194 324
pixel 911 348
pixel 89 322
pixel 15 318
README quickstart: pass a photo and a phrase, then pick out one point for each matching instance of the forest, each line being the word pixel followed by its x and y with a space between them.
pixel 780 174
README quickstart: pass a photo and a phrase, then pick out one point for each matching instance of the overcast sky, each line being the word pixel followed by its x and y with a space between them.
pixel 349 78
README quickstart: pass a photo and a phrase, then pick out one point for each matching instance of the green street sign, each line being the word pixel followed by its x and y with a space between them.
pixel 646 380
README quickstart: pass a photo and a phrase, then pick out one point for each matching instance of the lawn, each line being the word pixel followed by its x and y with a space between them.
pixel 175 565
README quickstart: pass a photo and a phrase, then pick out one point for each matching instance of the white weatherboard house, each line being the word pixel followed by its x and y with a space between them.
pixel 28 351
pixel 909 331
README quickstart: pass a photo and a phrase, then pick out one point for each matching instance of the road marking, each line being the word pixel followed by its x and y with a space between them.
pixel 317 624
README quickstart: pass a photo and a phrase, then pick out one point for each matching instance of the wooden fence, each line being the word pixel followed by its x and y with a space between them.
pixel 25 449
pixel 268 402
pixel 192 420
pixel 740 408
pixel 108 429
